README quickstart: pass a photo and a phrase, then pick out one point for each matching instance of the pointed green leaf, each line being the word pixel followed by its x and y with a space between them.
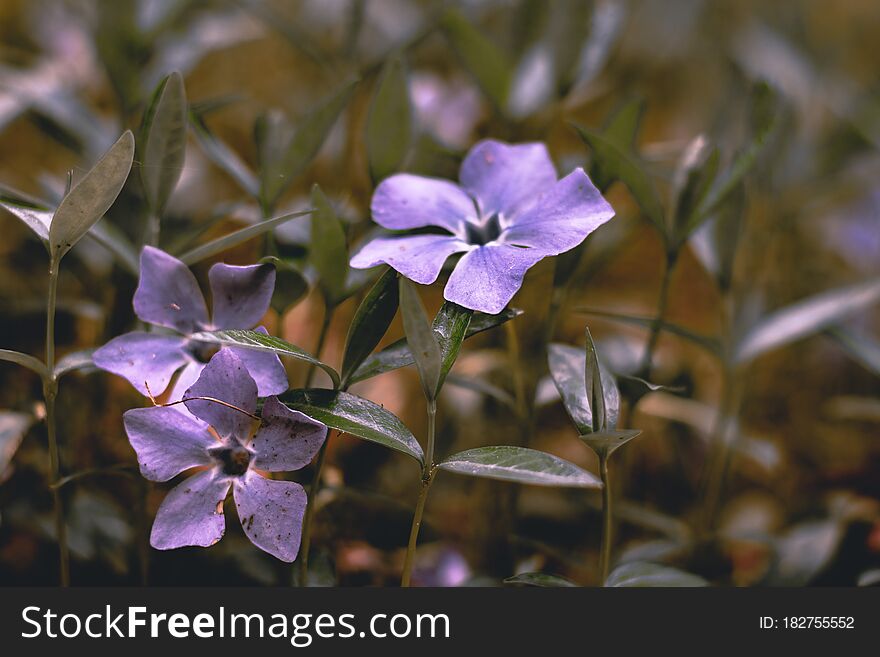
pixel 480 57
pixel 618 163
pixel 539 579
pixel 224 157
pixel 389 122
pixel 593 384
pixel 267 343
pixel 398 355
pixel 91 197
pixel 327 249
pixel 604 443
pixel 237 237
pixel 450 330
pixel 521 465
pixel 567 367
pixel 644 574
pixel 25 360
pixel 693 180
pixel 420 337
pixel 806 317
pixel 355 416
pixel 164 146
pixel 370 323
pixel 35 214
pixel 622 129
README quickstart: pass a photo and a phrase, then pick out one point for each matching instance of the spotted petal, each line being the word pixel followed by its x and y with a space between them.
pixel 562 217
pixel 405 201
pixel 145 359
pixel 271 513
pixel 192 513
pixel 487 278
pixel 240 295
pixel 287 440
pixel 224 378
pixel 503 177
pixel 166 441
pixel 419 257
pixel 168 294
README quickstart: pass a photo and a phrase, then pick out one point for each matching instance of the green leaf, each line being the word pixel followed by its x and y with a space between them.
pixel 484 388
pixel 13 427
pixel 481 57
pixel 450 329
pixel 804 318
pixel 237 237
pixel 164 149
pixel 643 574
pixel 593 384
pixel 398 355
pixel 76 360
pixel 328 251
pixel 33 213
pixel 693 180
pixel 709 344
pixel 266 343
pixel 355 416
pixel 521 465
pixel 389 122
pixel 224 157
pixel 301 149
pixel 25 360
pixel 619 163
pixel 604 443
pixel 622 129
pixel 421 339
pixel 91 197
pixel 568 366
pixel 539 579
pixel 290 283
pixel 862 349
pixel 370 323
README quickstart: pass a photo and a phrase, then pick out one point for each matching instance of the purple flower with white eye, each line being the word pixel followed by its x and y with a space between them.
pixel 218 437
pixel 168 296
pixel 509 212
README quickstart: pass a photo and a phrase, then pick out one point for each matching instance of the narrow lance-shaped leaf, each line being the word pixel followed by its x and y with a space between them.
pixel 357 417
pixel 622 129
pixel 521 465
pixel 568 365
pixel 91 197
pixel 481 57
pixel 164 150
pixel 644 574
pixel 539 579
pixel 237 237
pixel 593 384
pixel 398 355
pixel 389 122
pixel 861 348
pixel 35 214
pixel 224 157
pixel 420 338
pixel 805 318
pixel 261 342
pixel 327 248
pixel 450 329
pixel 371 321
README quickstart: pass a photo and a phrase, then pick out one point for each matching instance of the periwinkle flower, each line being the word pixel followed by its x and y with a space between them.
pixel 168 296
pixel 508 212
pixel 218 437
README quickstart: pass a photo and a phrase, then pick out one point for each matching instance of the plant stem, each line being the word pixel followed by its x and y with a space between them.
pixel 50 391
pixel 322 338
pixel 657 324
pixel 427 479
pixel 514 354
pixel 605 551
pixel 152 236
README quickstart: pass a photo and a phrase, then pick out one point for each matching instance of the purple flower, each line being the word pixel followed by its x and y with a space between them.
pixel 508 213
pixel 169 296
pixel 218 437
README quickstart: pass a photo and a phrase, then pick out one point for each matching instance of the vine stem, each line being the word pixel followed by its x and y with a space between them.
pixel 314 489
pixel 662 306
pixel 50 392
pixel 427 479
pixel 605 551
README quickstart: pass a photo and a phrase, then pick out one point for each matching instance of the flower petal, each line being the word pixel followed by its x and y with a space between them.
pixel 145 359
pixel 487 278
pixel 504 176
pixel 240 295
pixel 271 513
pixel 185 380
pixel 419 257
pixel 265 368
pixel 192 513
pixel 287 440
pixel 561 218
pixel 168 294
pixel 405 201
pixel 225 378
pixel 166 441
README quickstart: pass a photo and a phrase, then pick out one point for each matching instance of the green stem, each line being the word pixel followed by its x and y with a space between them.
pixel 657 324
pixel 50 391
pixel 322 338
pixel 427 479
pixel 607 525
pixel 153 227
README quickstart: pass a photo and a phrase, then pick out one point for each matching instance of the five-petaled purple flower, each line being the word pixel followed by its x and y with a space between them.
pixel 218 437
pixel 168 296
pixel 509 212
